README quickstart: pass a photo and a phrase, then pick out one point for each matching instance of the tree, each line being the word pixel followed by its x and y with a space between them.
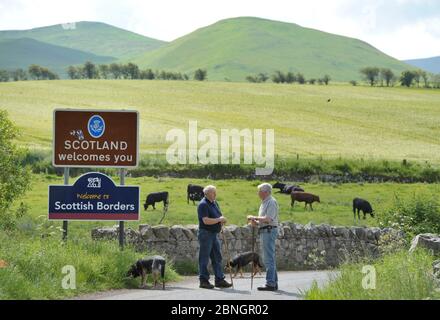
pixel 147 74
pixel 407 78
pixel 263 77
pixel 90 70
pixel 4 76
pixel 104 71
pixel 74 72
pixel 253 79
pixel 19 75
pixel 200 75
pixel 115 70
pixel 290 77
pixel 370 74
pixel 387 75
pixel 278 77
pixel 14 176
pixel 312 81
pixel 300 78
pixel 424 75
pixel 326 79
pixel 34 72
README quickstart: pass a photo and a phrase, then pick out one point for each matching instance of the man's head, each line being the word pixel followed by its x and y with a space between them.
pixel 264 190
pixel 210 193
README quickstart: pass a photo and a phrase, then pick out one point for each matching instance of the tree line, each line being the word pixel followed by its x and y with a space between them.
pixel 130 71
pixel 287 77
pixel 375 76
pixel 90 70
pixel 34 72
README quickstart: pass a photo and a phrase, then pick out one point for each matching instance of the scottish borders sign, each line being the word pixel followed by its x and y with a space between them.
pixel 95 138
pixel 94 196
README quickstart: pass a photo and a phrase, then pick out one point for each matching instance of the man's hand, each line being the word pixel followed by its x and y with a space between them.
pixel 252 220
pixel 222 220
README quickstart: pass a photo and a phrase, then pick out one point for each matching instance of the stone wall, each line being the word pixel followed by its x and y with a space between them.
pixel 299 247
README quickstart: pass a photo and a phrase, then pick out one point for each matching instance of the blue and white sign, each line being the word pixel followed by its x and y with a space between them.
pixel 94 196
pixel 96 126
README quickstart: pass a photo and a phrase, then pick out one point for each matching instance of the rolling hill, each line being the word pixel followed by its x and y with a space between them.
pixel 428 64
pixel 20 53
pixel 93 37
pixel 234 48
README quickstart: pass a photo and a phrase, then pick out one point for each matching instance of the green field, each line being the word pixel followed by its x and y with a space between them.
pixel 232 49
pixel 238 198
pixel 359 122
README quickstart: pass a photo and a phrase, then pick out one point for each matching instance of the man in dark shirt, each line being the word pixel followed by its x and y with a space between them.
pixel 210 224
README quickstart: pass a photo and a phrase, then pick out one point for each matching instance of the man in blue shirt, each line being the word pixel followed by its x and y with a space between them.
pixel 210 224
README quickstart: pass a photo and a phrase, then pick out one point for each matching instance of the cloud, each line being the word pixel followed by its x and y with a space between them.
pixel 401 28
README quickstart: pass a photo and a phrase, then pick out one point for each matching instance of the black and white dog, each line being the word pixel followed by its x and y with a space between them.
pixel 154 265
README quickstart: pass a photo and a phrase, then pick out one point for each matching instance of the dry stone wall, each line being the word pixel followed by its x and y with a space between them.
pixel 299 247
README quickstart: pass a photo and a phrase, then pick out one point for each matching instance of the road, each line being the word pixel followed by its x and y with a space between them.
pixel 291 284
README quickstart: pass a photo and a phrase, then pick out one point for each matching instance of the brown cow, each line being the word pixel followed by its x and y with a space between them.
pixel 308 198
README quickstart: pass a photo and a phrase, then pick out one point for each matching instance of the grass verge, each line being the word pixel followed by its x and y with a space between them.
pixel 33 267
pixel 399 276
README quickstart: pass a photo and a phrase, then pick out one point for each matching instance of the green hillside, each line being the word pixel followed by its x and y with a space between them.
pixel 94 37
pixel 237 47
pixel 428 64
pixel 20 53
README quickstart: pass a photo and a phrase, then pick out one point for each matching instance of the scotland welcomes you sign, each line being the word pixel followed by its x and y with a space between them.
pixel 94 196
pixel 95 138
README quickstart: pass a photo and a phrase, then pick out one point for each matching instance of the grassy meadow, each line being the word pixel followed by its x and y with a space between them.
pixel 359 122
pixel 238 199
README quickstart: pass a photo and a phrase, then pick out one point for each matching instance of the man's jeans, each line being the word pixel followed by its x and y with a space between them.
pixel 267 239
pixel 209 248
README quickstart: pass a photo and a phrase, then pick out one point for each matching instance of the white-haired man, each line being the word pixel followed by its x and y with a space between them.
pixel 267 222
pixel 210 224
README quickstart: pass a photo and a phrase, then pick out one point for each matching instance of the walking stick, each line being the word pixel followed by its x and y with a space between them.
pixel 253 254
pixel 227 256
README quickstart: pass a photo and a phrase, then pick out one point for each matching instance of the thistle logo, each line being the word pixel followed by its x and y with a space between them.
pixel 96 126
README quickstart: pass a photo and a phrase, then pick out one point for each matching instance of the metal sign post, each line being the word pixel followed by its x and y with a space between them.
pixel 65 222
pixel 121 223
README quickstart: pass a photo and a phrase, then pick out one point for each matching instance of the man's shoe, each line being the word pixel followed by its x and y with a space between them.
pixel 267 288
pixel 206 285
pixel 223 284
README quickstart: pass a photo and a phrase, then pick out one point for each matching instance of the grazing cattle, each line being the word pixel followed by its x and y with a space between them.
pixel 287 188
pixel 152 198
pixel 308 198
pixel 279 185
pixel 362 205
pixel 194 193
pixel 290 189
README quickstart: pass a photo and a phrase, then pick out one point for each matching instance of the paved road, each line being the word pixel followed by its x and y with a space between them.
pixel 290 283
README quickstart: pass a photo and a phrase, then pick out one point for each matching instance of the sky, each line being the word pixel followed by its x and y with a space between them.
pixel 404 29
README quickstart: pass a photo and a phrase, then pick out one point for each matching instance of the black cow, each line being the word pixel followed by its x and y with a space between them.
pixel 194 193
pixel 154 197
pixel 287 188
pixel 362 205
